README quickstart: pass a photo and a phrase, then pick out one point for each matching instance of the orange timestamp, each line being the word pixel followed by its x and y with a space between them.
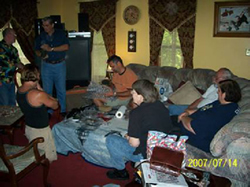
pixel 213 162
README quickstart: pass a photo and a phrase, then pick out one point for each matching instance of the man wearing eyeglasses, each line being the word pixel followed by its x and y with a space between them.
pixel 51 47
pixel 9 62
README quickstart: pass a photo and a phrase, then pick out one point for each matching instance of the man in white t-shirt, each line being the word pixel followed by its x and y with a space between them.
pixel 208 97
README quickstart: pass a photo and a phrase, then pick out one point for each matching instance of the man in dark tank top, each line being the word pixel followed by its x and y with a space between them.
pixel 33 102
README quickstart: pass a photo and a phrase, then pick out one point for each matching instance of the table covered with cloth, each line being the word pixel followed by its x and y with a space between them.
pixel 93 147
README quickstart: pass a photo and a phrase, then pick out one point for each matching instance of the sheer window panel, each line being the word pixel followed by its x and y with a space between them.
pixel 99 58
pixel 171 54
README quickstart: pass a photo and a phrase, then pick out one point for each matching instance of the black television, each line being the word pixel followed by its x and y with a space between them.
pixel 78 62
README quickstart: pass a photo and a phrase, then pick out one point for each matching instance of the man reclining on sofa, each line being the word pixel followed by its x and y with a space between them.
pixel 208 97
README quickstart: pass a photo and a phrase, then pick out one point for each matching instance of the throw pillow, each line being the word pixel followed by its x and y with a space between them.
pixel 185 95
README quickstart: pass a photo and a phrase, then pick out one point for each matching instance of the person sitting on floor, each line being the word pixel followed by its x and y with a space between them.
pixel 208 97
pixel 150 114
pixel 202 125
pixel 33 102
pixel 121 85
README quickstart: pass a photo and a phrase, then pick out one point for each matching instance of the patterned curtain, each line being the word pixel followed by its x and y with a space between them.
pixel 169 15
pixel 186 36
pixel 156 36
pixel 21 14
pixel 5 12
pixel 102 17
pixel 108 33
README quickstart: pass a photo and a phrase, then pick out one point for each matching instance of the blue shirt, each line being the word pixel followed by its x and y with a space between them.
pixel 58 38
pixel 207 121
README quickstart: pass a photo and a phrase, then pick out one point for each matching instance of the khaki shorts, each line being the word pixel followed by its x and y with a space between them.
pixel 48 145
pixel 117 102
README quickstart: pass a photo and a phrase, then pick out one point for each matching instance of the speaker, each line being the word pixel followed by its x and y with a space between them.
pixel 83 22
pixel 38 27
pixel 78 62
pixel 56 19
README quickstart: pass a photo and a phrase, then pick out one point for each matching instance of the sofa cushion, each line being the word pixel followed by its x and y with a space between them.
pixel 185 95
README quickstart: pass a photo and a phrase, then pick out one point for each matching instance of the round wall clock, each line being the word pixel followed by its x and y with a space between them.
pixel 131 15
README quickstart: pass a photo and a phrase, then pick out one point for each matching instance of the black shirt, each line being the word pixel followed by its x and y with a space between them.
pixel 146 117
pixel 35 117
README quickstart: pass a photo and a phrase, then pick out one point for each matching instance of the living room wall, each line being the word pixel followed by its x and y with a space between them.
pixel 215 52
pixel 210 52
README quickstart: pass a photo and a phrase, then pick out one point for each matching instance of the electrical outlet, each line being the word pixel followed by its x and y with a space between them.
pixel 247 52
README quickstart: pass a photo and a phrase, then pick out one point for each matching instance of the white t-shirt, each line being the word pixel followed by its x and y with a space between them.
pixel 209 96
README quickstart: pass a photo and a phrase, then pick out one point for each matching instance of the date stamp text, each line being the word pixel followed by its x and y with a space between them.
pixel 215 162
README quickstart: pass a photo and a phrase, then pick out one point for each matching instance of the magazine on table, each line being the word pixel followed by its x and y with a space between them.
pixel 156 178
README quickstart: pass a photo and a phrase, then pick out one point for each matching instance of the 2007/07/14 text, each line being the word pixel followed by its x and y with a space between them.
pixel 215 162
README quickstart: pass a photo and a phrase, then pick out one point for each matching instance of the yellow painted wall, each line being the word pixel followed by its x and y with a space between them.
pixel 141 55
pixel 49 7
pixel 210 52
pixel 215 52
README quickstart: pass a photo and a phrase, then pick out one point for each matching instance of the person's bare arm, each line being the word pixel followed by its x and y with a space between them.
pixel 47 100
pixel 186 121
pixel 195 104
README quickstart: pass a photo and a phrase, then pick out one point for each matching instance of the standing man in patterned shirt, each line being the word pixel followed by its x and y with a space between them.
pixel 9 62
pixel 51 47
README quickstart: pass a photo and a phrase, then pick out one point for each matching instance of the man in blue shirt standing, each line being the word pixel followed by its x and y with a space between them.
pixel 51 46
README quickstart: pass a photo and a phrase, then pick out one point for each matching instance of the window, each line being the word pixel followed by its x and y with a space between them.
pixel 171 54
pixel 99 57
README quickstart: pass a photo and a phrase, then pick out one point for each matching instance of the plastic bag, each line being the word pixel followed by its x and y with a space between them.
pixel 164 88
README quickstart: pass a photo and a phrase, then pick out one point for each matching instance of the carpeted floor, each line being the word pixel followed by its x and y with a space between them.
pixel 67 171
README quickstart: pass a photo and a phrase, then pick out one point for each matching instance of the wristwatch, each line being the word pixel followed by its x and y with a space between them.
pixel 52 49
pixel 114 93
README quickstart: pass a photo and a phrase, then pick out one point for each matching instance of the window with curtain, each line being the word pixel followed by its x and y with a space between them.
pixel 99 57
pixel 171 54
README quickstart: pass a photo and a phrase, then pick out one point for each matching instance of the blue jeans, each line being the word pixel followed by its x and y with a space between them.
pixel 7 94
pixel 120 151
pixel 176 109
pixel 55 74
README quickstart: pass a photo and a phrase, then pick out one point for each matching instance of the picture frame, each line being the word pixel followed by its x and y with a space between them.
pixel 232 19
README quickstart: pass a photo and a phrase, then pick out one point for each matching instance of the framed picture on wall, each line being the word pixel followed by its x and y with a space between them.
pixel 232 19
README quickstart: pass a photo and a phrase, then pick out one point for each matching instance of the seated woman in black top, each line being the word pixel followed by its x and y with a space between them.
pixel 150 114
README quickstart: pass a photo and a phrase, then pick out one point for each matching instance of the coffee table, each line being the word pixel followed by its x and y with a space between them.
pixel 10 117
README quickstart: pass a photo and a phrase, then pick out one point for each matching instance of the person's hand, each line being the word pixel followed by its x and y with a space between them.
pixel 46 47
pixel 126 136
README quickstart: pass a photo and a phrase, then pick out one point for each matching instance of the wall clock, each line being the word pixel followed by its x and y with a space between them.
pixel 131 15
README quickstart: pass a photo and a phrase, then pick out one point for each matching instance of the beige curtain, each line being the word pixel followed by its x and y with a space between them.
pixel 169 14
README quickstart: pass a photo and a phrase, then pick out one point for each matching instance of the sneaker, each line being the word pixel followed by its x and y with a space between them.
pixel 118 174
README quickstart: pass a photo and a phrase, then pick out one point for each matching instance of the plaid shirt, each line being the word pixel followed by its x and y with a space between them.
pixel 8 59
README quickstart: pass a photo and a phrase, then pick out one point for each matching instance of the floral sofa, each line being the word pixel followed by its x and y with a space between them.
pixel 230 147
